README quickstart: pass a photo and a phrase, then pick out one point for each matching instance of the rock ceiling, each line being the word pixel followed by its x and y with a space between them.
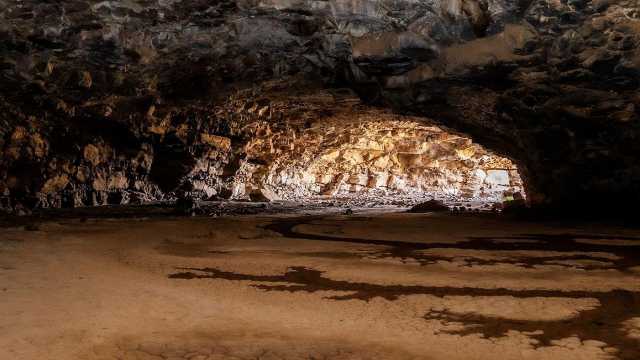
pixel 110 94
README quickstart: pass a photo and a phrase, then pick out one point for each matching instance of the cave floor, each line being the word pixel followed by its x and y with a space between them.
pixel 322 286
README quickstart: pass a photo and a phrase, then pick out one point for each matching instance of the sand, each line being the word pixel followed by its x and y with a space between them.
pixel 366 286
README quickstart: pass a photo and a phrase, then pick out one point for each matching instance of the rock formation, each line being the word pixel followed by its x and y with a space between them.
pixel 372 156
pixel 109 102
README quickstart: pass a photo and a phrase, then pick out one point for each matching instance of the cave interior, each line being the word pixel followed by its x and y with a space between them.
pixel 365 179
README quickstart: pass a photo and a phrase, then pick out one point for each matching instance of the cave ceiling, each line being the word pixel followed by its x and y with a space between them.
pixel 139 95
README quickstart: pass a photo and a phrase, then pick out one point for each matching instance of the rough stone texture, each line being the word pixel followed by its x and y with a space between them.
pixel 557 92
pixel 361 154
pixel 118 101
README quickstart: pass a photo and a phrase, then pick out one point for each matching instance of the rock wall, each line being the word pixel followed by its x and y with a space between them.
pixel 99 99
pixel 313 145
pixel 557 92
pixel 372 157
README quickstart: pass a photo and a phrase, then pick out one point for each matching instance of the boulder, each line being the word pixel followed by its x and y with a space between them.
pixel 263 195
pixel 429 206
pixel 514 206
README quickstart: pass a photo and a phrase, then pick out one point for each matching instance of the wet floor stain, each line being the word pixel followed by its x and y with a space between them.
pixel 604 323
pixel 626 256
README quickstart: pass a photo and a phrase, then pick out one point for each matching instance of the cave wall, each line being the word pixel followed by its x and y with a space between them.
pixel 558 94
pixel 152 97
pixel 363 156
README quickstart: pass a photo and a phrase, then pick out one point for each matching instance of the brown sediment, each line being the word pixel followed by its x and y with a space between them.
pixel 602 323
pixel 627 256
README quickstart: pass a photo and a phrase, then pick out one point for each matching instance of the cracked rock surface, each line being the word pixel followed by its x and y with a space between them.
pixel 358 153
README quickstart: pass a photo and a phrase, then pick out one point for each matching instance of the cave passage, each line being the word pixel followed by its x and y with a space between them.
pixel 369 161
pixel 320 179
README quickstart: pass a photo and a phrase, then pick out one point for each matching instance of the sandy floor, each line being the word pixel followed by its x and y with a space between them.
pixel 390 286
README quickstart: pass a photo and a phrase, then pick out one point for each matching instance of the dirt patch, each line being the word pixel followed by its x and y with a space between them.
pixel 240 345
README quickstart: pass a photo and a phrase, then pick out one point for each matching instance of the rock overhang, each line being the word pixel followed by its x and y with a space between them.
pixel 550 85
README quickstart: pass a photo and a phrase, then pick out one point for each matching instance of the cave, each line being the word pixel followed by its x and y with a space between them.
pixel 340 179
pixel 363 157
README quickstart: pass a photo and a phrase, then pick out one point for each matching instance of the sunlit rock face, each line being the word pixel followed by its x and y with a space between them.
pixel 371 158
pixel 118 101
